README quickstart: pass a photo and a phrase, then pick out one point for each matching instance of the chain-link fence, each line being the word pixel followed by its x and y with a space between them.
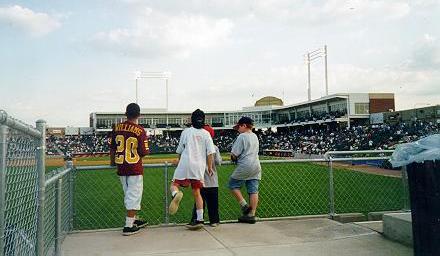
pixel 98 198
pixel 288 188
pixel 365 184
pixel 20 145
pixel 20 194
pixel 363 188
pixel 35 206
pixel 58 210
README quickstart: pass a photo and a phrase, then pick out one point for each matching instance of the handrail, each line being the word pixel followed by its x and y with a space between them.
pixel 18 125
pixel 344 159
pixel 106 167
pixel 57 176
pixel 328 154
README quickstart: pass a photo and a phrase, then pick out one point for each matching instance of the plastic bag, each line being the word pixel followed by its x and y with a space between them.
pixel 424 149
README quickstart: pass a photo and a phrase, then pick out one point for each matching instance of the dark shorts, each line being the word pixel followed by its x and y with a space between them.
pixel 251 185
pixel 187 182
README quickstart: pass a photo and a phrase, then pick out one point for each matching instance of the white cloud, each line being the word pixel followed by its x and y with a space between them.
pixel 156 34
pixel 426 54
pixel 410 86
pixel 299 12
pixel 177 28
pixel 34 23
pixel 331 11
pixel 425 3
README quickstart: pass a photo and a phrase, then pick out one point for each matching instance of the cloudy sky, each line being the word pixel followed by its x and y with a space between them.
pixel 61 60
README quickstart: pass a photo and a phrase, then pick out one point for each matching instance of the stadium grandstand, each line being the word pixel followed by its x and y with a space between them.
pixel 342 108
pixel 336 122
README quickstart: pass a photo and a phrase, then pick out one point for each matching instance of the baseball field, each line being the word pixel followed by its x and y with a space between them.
pixel 286 189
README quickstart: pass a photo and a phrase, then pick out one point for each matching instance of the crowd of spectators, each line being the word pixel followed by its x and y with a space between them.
pixel 69 145
pixel 312 140
pixel 163 143
pixel 367 137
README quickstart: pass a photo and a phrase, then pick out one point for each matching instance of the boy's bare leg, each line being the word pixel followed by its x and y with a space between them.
pixel 198 198
pixel 131 213
pixel 237 194
pixel 245 208
pixel 199 205
pixel 253 200
pixel 198 224
pixel 174 188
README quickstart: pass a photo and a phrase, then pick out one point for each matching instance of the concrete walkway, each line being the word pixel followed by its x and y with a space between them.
pixel 285 237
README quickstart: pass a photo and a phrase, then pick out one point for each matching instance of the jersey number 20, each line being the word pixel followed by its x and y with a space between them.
pixel 130 147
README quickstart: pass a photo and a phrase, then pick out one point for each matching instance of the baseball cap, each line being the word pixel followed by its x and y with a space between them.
pixel 209 129
pixel 133 110
pixel 244 120
pixel 198 118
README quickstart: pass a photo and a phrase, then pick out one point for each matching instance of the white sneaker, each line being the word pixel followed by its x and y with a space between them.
pixel 174 205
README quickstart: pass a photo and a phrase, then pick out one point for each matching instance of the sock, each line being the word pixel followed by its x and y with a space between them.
pixel 129 222
pixel 199 214
pixel 243 203
pixel 173 193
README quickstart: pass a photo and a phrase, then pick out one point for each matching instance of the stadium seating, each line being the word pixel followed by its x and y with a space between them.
pixel 305 140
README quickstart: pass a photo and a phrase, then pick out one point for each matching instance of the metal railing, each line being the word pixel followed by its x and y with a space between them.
pixel 33 209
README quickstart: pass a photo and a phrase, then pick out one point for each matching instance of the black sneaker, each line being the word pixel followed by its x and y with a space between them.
pixel 246 209
pixel 130 231
pixel 140 223
pixel 247 219
pixel 196 225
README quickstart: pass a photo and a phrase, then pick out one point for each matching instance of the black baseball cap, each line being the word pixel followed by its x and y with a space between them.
pixel 133 110
pixel 244 120
pixel 198 119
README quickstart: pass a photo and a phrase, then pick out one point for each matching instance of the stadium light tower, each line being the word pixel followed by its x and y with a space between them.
pixel 153 75
pixel 311 56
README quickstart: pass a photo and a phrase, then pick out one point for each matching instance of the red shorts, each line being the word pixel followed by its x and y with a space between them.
pixel 186 182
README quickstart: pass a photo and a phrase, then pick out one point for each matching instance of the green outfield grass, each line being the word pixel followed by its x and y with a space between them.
pixel 287 189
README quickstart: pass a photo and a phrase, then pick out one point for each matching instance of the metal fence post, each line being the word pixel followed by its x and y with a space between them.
pixel 331 191
pixel 166 211
pixel 69 164
pixel 406 202
pixel 58 216
pixel 3 150
pixel 41 168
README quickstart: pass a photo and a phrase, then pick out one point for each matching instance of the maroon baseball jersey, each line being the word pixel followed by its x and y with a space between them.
pixel 129 143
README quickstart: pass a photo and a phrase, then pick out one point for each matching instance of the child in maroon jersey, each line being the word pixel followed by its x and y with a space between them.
pixel 128 145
